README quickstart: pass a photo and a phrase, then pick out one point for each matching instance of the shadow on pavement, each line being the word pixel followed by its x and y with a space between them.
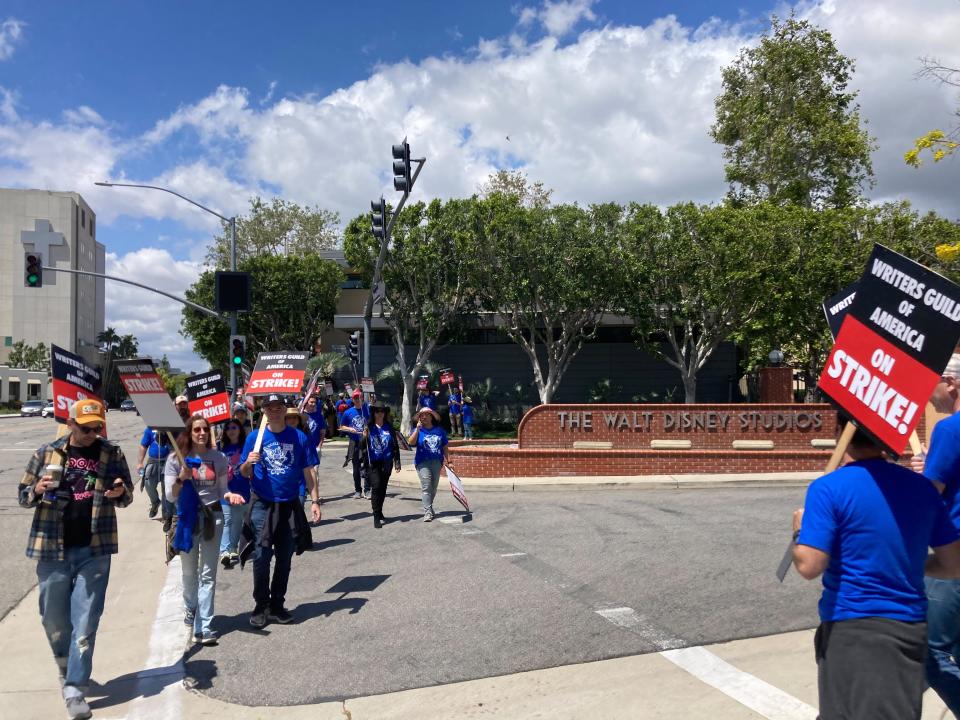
pixel 147 683
pixel 326 544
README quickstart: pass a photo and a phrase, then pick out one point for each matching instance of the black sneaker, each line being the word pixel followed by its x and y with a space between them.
pixel 258 618
pixel 154 507
pixel 225 560
pixel 281 616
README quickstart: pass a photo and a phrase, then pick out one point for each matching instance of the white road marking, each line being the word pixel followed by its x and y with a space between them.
pixel 748 690
pixel 159 685
pixel 516 554
pixel 16 449
pixel 457 520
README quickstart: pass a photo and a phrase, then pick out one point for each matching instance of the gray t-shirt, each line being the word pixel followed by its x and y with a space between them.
pixel 210 480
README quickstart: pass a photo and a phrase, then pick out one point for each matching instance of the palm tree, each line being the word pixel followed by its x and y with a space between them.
pixel 327 362
pixel 108 339
pixel 127 347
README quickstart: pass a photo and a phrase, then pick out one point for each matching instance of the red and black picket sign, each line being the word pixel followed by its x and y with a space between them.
pixel 447 376
pixel 278 372
pixel 73 380
pixel 207 396
pixel 893 344
pixel 836 308
pixel 423 382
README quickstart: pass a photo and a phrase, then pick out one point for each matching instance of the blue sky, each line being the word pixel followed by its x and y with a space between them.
pixel 601 100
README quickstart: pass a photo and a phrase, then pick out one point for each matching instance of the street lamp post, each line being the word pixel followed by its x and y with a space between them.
pixel 232 222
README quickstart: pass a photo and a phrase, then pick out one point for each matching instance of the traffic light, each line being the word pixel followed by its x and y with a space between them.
pixel 379 220
pixel 402 182
pixel 237 349
pixel 33 270
pixel 353 346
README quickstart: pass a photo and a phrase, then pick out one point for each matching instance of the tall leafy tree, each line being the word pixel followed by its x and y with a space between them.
pixel 294 299
pixel 429 279
pixel 696 275
pixel 789 125
pixel 29 357
pixel 550 272
pixel 277 227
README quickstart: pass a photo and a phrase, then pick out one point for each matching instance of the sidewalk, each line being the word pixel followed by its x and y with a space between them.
pixel 142 639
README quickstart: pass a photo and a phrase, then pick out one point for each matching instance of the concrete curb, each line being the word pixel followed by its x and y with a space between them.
pixel 407 478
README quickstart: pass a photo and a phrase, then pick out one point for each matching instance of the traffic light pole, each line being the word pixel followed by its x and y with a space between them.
pixel 233 315
pixel 378 268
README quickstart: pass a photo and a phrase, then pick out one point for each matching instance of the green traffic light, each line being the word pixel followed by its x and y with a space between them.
pixel 237 360
pixel 32 279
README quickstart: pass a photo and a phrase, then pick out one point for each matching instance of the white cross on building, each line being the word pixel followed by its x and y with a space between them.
pixel 42 237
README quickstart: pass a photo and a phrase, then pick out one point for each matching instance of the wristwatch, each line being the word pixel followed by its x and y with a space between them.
pixel 316 502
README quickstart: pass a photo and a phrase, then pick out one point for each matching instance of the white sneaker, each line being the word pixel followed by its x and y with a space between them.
pixel 356 496
pixel 366 494
pixel 428 517
pixel 77 708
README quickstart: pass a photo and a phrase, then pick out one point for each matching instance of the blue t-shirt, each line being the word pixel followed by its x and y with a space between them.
pixel 354 418
pixel 876 520
pixel 943 463
pixel 317 425
pixel 468 414
pixel 380 442
pixel 155 450
pixel 430 444
pixel 454 403
pixel 427 400
pixel 283 456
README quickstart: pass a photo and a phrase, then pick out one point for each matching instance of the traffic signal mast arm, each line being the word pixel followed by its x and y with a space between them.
pixel 198 308
pixel 388 229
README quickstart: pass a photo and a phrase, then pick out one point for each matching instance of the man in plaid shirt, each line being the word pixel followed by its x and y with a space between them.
pixel 73 535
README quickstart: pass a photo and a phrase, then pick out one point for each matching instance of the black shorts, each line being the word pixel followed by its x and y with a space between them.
pixel 871 668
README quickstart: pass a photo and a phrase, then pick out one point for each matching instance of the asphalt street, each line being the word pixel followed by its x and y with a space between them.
pixel 518 587
pixel 534 579
pixel 19 438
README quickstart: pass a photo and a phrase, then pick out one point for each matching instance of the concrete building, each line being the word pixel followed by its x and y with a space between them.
pixel 68 310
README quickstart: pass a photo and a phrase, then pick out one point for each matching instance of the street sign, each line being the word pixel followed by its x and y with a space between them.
pixel 894 343
pixel 73 380
pixel 278 372
pixel 207 396
pixel 146 389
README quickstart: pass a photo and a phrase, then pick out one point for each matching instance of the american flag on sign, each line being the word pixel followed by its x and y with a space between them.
pixel 456 487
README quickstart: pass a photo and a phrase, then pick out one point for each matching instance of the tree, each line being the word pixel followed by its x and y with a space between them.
pixel 29 357
pixel 695 275
pixel 173 384
pixel 327 362
pixel 516 183
pixel 940 144
pixel 279 227
pixel 550 273
pixel 127 347
pixel 789 126
pixel 294 299
pixel 429 279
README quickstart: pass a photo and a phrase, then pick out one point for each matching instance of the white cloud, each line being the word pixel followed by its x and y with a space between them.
pixel 11 33
pixel 152 318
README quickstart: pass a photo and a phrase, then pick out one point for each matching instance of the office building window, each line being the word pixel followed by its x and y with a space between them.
pixel 83 218
pixel 92 221
pixel 8 341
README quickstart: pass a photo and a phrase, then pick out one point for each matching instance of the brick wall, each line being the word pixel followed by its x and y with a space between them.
pixel 708 426
pixel 479 462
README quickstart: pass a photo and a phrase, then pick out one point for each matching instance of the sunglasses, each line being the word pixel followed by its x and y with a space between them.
pixel 87 430
pixel 199 430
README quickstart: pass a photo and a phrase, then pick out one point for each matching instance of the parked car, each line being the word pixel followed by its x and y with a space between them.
pixel 128 405
pixel 31 408
pixel 47 410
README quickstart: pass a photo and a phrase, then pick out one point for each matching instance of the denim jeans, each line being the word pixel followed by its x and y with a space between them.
pixel 429 473
pixel 467 431
pixel 153 482
pixel 199 568
pixel 943 636
pixel 267 594
pixel 71 602
pixel 233 516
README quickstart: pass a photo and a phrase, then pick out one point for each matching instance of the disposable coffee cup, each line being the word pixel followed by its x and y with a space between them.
pixel 50 496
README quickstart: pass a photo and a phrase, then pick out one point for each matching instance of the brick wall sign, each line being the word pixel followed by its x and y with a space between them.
pixel 786 426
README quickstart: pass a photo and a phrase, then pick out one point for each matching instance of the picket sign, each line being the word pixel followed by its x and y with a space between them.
pixel 895 331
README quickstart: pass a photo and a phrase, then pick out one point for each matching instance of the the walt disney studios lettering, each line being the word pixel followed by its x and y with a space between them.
pixel 686 421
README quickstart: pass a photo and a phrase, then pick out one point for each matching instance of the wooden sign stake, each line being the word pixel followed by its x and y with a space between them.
pixel 259 441
pixel 176 448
